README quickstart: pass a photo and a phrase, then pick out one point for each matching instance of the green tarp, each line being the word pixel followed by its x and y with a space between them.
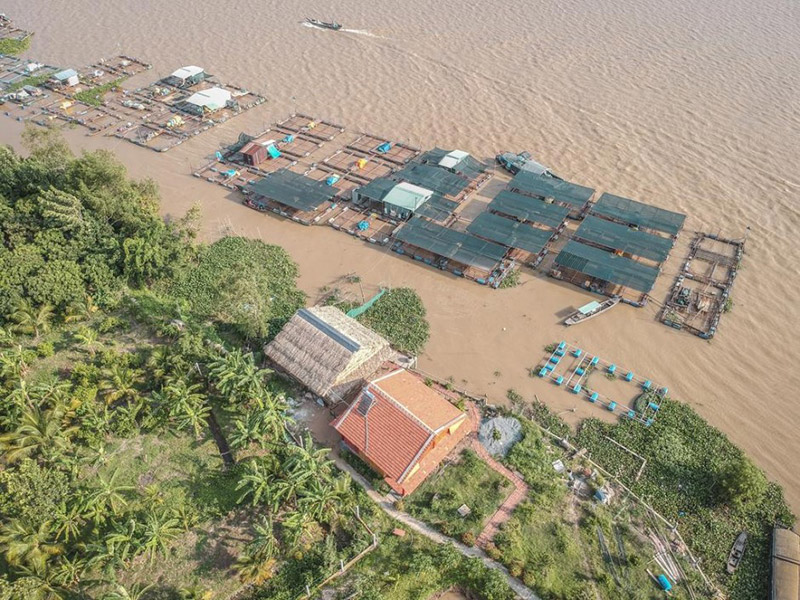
pixel 376 190
pixel 636 213
pixel 529 209
pixel 438 208
pixel 509 233
pixel 294 190
pixel 607 267
pixel 621 237
pixel 543 186
pixel 456 245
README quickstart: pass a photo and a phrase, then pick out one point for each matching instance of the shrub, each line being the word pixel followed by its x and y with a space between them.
pixel 45 349
pixel 399 316
pixel 468 538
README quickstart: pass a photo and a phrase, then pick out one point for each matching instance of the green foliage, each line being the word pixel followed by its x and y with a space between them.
pixel 511 280
pixel 94 96
pixel 696 477
pixel 12 46
pixel 32 493
pixel 399 316
pixel 244 284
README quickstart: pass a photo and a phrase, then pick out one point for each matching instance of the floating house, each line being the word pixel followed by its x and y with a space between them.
pixel 254 153
pixel 327 352
pixel 207 101
pixel 66 78
pixel 402 428
pixel 291 195
pixel 186 76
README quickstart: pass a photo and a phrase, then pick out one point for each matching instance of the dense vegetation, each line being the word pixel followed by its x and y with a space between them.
pixel 12 46
pixel 399 316
pixel 93 96
pixel 144 455
pixel 698 479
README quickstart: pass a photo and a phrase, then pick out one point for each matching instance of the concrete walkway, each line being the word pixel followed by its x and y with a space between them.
pixel 424 529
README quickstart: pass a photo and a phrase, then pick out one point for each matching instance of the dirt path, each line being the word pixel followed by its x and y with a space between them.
pixel 424 529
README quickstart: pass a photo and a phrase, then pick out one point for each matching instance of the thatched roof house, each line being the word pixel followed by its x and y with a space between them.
pixel 327 351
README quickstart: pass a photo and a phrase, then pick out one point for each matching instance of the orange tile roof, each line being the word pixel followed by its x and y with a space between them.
pixel 397 426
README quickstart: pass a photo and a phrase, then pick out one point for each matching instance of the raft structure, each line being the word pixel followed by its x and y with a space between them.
pixel 702 290
pixel 589 376
pixel 158 116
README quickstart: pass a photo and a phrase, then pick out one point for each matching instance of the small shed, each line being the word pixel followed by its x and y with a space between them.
pixel 404 199
pixel 66 78
pixel 254 154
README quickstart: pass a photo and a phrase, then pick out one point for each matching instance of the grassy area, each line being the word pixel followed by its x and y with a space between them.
pixel 13 47
pixel 399 316
pixel 94 96
pixel 698 479
pixel 33 80
pixel 470 481
pixel 552 540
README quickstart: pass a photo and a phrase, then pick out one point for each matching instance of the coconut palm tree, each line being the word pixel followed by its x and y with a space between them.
pixel 119 384
pixel 69 523
pixel 38 433
pixel 31 320
pixel 81 310
pixel 159 530
pixel 27 546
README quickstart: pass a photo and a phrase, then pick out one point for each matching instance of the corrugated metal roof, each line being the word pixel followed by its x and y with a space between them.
pixel 529 209
pixel 549 187
pixel 212 98
pixel 621 237
pixel 509 233
pixel 294 190
pixel 65 74
pixel 606 266
pixel 407 196
pixel 186 72
pixel 636 213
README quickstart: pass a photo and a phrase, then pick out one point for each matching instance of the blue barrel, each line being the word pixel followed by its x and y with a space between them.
pixel 612 406
pixel 595 360
pixel 559 353
pixel 576 388
pixel 646 385
pixel 664 583
pixel 629 376
pixel 593 397
pixel 559 380
pixel 612 368
pixel 577 352
pixel 562 345
pixel 653 405
pixel 554 360
pixel 580 372
pixel 542 372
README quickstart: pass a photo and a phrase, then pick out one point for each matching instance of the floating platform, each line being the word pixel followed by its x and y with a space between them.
pixel 702 290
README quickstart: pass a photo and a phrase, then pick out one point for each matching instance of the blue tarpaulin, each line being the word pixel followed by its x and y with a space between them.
pixel 273 151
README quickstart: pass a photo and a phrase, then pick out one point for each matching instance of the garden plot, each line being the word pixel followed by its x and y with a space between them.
pixel 608 384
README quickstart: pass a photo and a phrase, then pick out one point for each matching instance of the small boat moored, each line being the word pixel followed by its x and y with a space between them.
pixel 737 552
pixel 590 310
pixel 324 24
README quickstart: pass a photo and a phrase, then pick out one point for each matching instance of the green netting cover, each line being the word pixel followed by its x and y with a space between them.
pixel 551 187
pixel 529 209
pixel 294 190
pixel 438 208
pixel 377 189
pixel 639 214
pixel 469 166
pixel 606 266
pixel 621 237
pixel 433 178
pixel 456 245
pixel 509 233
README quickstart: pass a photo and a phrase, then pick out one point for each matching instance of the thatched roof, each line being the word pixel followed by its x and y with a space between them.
pixel 322 347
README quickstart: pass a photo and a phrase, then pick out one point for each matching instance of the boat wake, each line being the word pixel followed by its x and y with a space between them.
pixel 353 31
